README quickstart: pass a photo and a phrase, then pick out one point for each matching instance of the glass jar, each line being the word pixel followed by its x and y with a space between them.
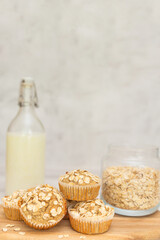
pixel 25 148
pixel 131 180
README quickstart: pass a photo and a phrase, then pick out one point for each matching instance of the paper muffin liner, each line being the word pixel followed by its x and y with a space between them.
pixel 12 213
pixel 43 226
pixel 11 210
pixel 79 193
pixel 91 225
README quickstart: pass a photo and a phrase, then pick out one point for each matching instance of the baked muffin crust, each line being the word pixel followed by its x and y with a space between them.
pixel 14 199
pixel 80 177
pixel 91 209
pixel 43 207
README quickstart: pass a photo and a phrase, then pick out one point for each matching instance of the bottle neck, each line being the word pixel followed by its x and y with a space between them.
pixel 26 120
pixel 27 107
pixel 27 95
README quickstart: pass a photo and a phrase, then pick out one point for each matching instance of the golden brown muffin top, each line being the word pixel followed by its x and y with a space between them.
pixel 79 177
pixel 13 199
pixel 43 204
pixel 91 208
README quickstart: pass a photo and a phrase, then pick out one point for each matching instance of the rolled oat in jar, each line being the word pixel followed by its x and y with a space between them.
pixel 133 190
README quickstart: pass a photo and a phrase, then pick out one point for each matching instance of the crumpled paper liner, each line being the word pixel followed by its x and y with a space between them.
pixel 79 193
pixel 12 213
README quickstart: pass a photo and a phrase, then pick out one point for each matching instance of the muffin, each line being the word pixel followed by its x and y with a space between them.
pixel 91 217
pixel 43 207
pixel 11 205
pixel 79 185
pixel 69 203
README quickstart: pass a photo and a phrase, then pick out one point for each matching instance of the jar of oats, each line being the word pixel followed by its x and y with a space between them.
pixel 131 180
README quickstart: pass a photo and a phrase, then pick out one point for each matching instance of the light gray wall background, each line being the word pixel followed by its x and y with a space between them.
pixel 96 64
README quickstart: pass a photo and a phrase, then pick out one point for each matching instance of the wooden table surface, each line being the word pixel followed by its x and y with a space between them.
pixel 122 228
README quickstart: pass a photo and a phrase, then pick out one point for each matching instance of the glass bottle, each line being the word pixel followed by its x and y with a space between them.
pixel 25 150
pixel 131 179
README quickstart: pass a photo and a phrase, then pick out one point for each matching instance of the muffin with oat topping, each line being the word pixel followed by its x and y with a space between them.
pixel 43 207
pixel 79 185
pixel 91 217
pixel 11 205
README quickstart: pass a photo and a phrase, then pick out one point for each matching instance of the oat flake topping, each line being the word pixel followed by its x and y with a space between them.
pixel 91 208
pixel 43 204
pixel 79 177
pixel 13 199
